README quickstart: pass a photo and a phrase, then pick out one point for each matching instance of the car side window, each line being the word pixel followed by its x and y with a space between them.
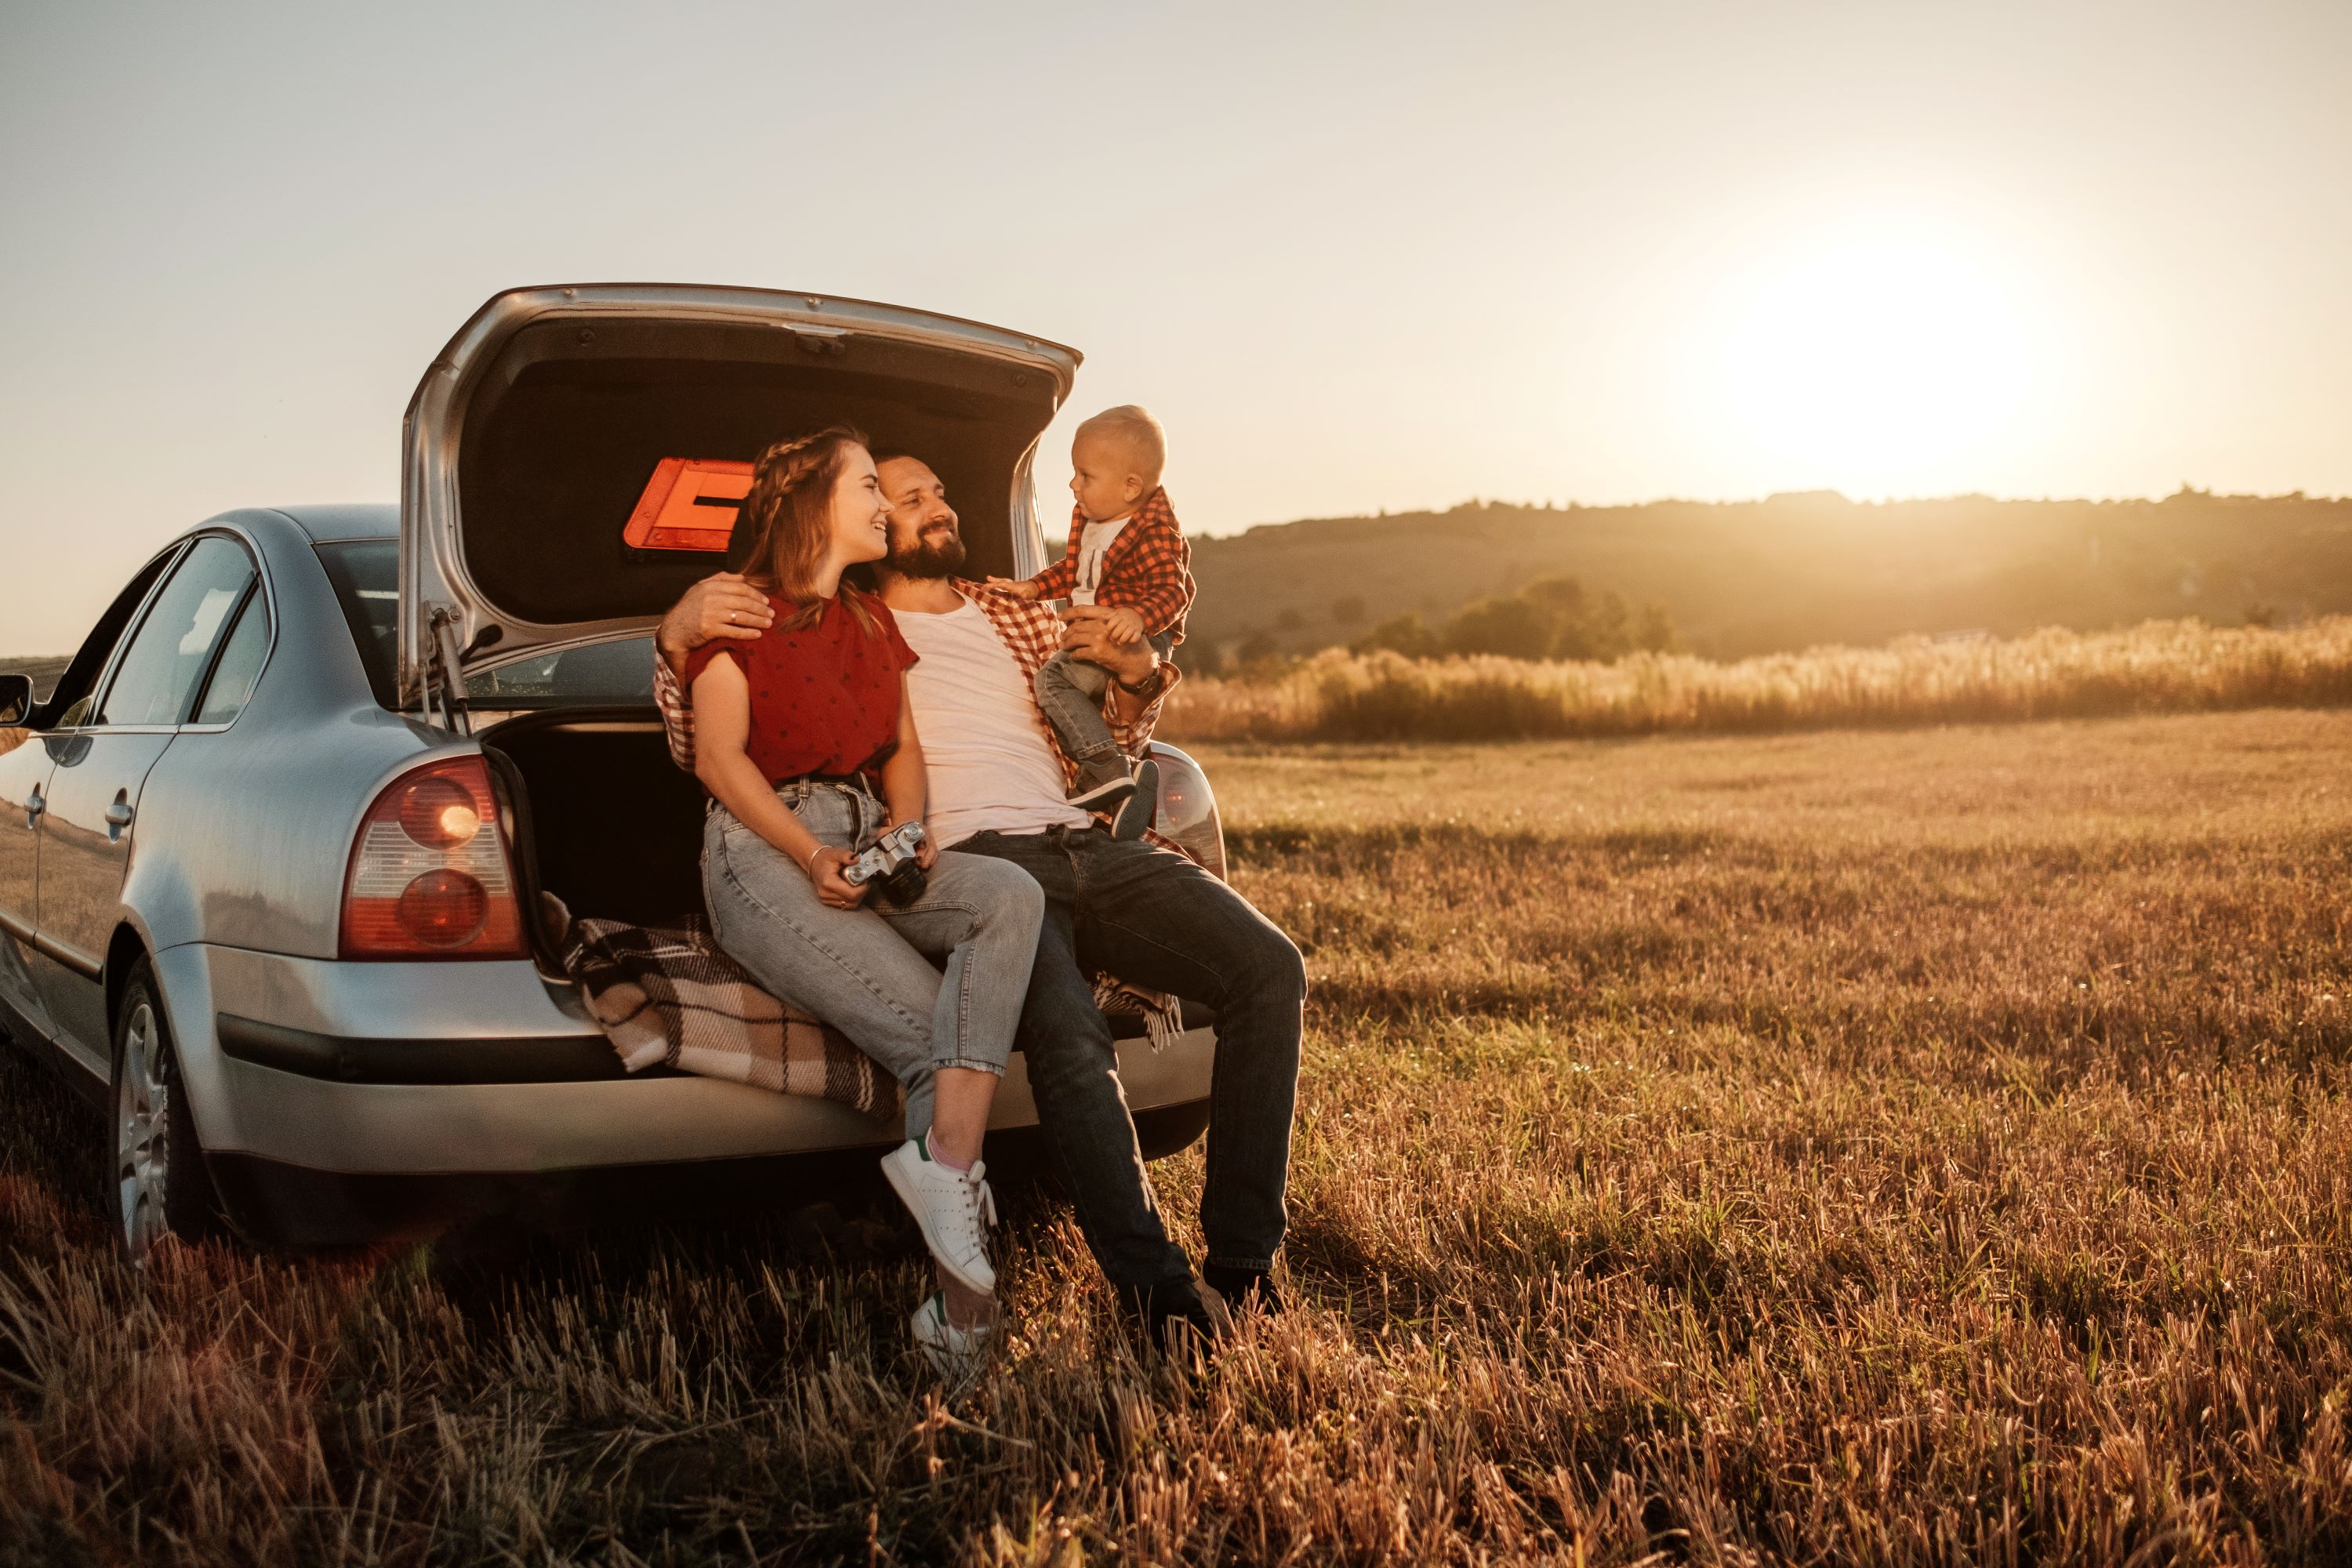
pixel 167 656
pixel 74 694
pixel 233 677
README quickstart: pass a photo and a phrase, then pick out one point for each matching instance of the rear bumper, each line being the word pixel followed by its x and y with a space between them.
pixel 484 1069
pixel 340 1058
pixel 413 1128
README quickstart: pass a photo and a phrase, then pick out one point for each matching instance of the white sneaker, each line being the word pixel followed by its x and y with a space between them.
pixel 954 1352
pixel 950 1208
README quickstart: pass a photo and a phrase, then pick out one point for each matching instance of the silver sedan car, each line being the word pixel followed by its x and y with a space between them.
pixel 272 846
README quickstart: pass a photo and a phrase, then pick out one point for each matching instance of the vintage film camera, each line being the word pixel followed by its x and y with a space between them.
pixel 890 861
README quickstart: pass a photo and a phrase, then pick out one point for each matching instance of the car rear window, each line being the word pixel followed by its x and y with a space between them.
pixel 366 575
pixel 602 675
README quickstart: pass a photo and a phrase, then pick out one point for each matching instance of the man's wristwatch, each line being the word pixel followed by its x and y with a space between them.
pixel 1152 685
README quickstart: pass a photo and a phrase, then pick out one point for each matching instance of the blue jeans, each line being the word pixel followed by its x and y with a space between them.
pixel 1151 917
pixel 1070 692
pixel 870 972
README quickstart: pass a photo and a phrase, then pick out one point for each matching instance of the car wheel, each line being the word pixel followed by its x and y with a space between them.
pixel 160 1186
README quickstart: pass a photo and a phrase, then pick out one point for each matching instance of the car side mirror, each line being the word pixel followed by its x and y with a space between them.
pixel 15 699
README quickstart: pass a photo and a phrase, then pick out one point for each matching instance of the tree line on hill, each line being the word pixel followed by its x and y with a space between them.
pixel 1551 617
pixel 1781 575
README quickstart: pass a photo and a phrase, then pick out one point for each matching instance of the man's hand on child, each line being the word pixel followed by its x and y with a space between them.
pixel 1019 587
pixel 1086 635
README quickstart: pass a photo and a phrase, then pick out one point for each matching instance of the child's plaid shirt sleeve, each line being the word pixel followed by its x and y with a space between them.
pixel 1060 579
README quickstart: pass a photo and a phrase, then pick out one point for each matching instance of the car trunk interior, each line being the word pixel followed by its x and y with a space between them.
pixel 604 820
pixel 565 427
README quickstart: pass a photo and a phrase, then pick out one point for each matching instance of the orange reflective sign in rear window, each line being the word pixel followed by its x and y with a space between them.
pixel 689 504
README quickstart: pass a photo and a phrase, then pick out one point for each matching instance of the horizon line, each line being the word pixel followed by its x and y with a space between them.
pixel 2186 491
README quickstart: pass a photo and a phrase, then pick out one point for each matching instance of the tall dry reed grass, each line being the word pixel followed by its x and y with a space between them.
pixel 1918 1148
pixel 2162 666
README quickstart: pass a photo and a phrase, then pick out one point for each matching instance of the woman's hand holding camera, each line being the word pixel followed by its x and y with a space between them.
pixel 825 868
pixel 927 853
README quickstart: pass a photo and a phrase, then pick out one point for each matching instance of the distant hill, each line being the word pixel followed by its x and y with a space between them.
pixel 1794 570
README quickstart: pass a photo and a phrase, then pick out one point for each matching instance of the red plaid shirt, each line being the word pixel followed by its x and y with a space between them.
pixel 1147 568
pixel 1031 634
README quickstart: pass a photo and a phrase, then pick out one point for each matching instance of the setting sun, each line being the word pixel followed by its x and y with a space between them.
pixel 1876 358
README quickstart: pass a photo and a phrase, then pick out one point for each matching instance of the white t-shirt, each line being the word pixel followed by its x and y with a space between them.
pixel 989 764
pixel 1093 540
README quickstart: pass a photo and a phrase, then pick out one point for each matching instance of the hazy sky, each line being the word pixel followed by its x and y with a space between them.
pixel 1354 255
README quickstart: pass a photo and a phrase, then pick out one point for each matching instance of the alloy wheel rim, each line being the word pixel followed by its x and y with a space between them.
pixel 141 1156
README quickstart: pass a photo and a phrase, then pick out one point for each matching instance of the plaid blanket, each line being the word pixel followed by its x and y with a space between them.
pixel 667 996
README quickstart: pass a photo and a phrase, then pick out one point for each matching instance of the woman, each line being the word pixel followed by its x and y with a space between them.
pixel 806 742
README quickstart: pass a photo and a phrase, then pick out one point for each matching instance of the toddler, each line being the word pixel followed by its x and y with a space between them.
pixel 1127 554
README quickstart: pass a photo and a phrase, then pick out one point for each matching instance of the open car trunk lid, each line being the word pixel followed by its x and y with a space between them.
pixel 560 454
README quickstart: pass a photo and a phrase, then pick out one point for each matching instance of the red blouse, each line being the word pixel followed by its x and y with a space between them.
pixel 825 698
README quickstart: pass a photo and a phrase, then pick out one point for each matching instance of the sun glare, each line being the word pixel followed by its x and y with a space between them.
pixel 1880 362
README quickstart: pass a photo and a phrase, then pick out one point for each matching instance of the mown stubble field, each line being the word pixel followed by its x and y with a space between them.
pixel 1926 1146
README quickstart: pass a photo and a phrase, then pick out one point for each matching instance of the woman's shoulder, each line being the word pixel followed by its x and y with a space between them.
pixel 698 659
pixel 794 619
pixel 772 642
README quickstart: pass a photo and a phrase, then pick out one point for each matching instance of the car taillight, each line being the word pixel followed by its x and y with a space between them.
pixel 1187 810
pixel 430 877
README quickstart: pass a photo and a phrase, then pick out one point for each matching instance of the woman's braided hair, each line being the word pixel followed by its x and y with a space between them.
pixel 790 508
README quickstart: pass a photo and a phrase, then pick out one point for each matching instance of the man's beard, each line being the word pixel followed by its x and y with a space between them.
pixel 924 560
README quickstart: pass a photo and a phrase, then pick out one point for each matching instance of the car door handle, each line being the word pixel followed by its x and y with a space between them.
pixel 33 807
pixel 117 817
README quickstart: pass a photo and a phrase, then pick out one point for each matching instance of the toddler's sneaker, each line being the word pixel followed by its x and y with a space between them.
pixel 950 1206
pixel 955 1353
pixel 1135 812
pixel 1100 789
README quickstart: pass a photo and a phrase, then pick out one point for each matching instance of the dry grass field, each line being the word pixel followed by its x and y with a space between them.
pixel 2158 666
pixel 1922 1146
